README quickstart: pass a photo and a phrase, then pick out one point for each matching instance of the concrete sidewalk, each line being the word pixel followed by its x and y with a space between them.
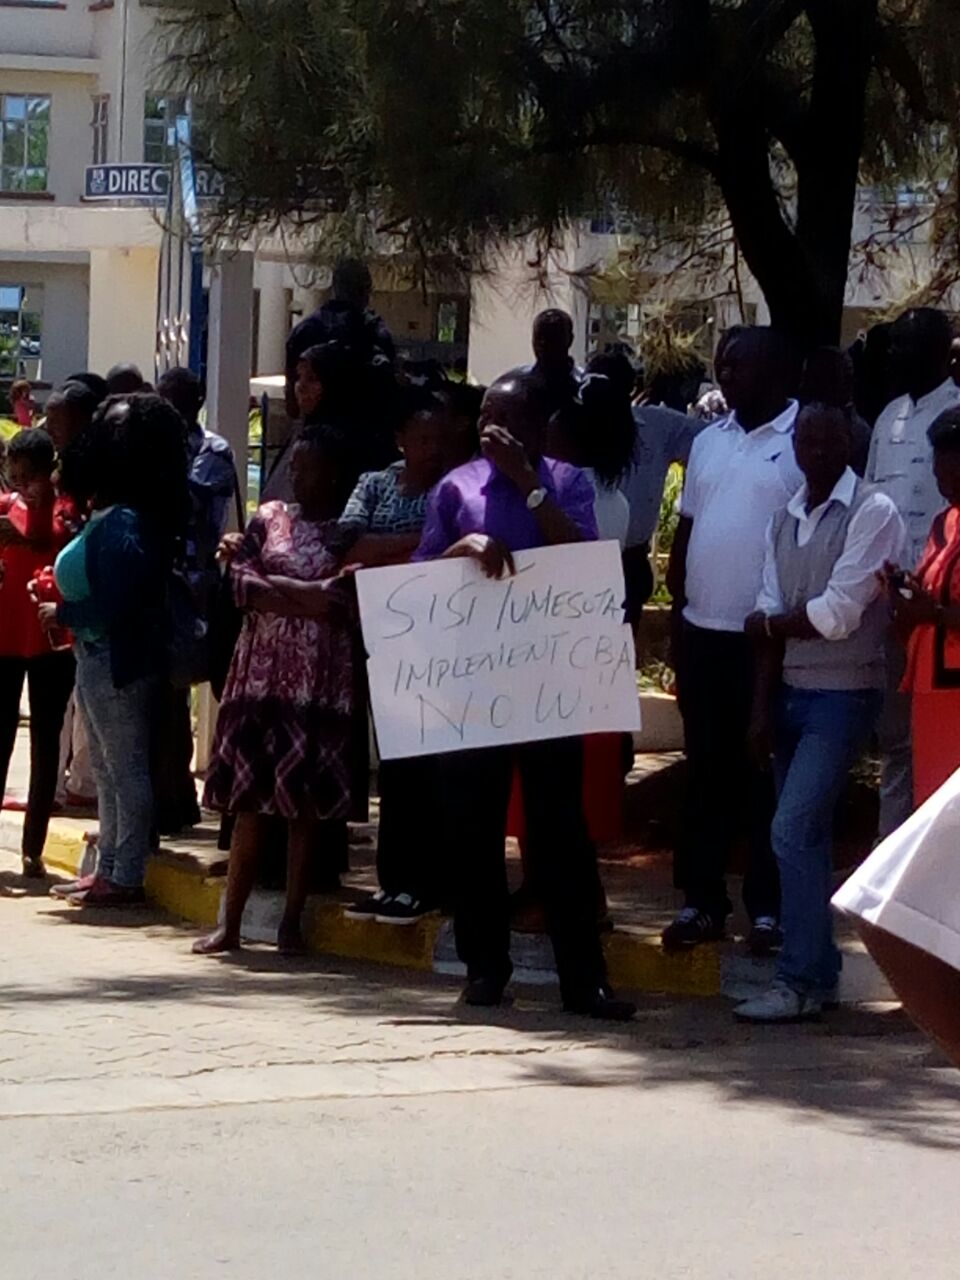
pixel 167 1117
pixel 638 883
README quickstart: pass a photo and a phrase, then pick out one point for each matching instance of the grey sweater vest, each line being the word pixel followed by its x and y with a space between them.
pixel 804 573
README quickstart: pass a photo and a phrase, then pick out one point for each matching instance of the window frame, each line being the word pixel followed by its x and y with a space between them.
pixel 100 125
pixel 25 315
pixel 158 149
pixel 30 128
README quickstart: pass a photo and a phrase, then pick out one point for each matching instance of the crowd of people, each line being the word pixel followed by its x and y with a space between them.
pixel 115 495
pixel 800 589
pixel 816 597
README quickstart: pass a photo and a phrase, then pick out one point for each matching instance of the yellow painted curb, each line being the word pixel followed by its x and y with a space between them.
pixel 411 947
pixel 63 851
pixel 183 893
pixel 174 888
pixel 636 961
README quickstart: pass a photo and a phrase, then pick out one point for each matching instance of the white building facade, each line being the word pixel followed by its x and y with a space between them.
pixel 84 162
pixel 84 166
pixel 82 274
pixel 613 294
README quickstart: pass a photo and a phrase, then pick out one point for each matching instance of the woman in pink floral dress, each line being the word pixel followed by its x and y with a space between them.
pixel 282 745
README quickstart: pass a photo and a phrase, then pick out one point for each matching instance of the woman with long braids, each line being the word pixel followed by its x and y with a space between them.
pixel 131 475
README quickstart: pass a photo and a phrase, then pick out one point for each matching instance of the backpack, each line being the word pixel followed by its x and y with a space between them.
pixel 202 635
pixel 188 649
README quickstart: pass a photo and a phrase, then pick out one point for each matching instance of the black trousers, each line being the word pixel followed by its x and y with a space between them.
pixel 476 787
pixel 727 792
pixel 171 752
pixel 412 851
pixel 50 680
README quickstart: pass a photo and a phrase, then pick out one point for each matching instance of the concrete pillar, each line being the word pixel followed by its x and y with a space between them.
pixel 229 352
pixel 123 309
pixel 273 324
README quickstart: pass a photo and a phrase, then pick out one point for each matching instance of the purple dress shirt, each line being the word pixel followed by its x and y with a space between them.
pixel 477 498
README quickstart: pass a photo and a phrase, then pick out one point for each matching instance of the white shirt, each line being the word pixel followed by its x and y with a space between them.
pixel 874 536
pixel 910 884
pixel 901 462
pixel 663 437
pixel 611 509
pixel 735 482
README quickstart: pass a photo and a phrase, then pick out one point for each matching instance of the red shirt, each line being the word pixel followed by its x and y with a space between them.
pixel 20 633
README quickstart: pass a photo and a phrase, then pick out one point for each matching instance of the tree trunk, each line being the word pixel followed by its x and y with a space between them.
pixel 804 303
pixel 844 32
pixel 802 269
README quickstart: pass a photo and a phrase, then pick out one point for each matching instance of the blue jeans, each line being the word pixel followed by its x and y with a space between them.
pixel 819 734
pixel 118 725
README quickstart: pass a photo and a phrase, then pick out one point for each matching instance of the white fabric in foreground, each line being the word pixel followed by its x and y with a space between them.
pixel 910 884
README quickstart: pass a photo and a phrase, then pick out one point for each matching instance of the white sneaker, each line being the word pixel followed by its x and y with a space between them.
pixel 779 1004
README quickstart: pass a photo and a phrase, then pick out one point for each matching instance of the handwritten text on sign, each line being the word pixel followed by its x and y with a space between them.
pixel 457 660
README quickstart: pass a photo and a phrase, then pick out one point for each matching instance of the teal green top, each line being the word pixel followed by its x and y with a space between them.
pixel 70 571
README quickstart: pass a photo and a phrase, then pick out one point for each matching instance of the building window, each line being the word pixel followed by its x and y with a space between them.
pixel 159 120
pixel 448 321
pixel 100 125
pixel 25 122
pixel 21 324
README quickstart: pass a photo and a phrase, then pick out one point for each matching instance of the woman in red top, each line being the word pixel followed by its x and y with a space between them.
pixel 34 525
pixel 927 609
pixel 21 403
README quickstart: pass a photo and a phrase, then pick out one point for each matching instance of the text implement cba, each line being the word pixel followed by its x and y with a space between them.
pixel 458 661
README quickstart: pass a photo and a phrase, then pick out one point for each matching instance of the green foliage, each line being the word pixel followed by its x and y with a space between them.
pixel 666 531
pixel 670 509
pixel 453 124
pixel 9 349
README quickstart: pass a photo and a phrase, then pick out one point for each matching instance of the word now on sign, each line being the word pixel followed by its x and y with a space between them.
pixel 459 661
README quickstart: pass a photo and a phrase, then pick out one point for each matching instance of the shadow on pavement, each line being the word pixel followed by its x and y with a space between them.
pixel 864 1070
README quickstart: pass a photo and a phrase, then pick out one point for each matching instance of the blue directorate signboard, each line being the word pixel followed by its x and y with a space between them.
pixel 144 182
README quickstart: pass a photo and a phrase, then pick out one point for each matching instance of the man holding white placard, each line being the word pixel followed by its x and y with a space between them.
pixel 513 499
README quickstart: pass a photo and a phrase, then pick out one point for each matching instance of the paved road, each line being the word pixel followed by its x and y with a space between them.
pixel 175 1119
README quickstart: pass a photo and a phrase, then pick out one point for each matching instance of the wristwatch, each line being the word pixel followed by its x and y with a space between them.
pixel 536 498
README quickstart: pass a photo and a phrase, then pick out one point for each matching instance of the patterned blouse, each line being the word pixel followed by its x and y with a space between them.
pixel 297 661
pixel 378 505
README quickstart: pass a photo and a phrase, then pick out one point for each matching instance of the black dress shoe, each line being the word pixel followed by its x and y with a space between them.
pixel 483 993
pixel 603 1005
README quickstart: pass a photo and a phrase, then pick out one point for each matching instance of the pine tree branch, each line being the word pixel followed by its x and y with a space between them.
pixel 893 56
pixel 696 153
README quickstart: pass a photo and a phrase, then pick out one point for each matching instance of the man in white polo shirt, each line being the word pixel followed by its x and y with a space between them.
pixel 901 466
pixel 742 471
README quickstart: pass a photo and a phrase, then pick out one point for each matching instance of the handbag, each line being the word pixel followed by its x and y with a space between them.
pixel 188 650
pixel 202 635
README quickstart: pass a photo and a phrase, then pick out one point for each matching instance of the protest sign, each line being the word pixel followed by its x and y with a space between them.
pixel 459 661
